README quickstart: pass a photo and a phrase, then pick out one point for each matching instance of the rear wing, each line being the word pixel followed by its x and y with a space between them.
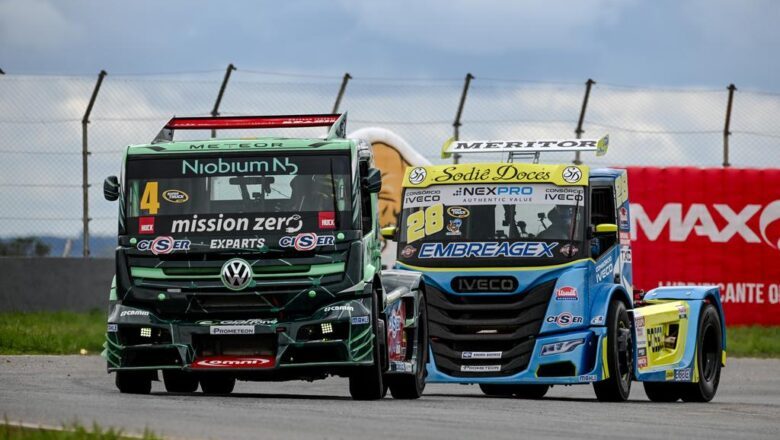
pixel 336 122
pixel 522 148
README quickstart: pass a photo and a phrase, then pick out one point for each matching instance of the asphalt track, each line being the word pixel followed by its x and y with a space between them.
pixel 52 390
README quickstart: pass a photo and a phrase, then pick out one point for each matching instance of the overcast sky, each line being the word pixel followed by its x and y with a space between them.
pixel 704 43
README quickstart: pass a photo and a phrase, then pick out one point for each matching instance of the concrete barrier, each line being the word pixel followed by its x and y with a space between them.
pixel 52 284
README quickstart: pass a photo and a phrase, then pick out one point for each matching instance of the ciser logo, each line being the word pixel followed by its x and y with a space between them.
pixel 703 220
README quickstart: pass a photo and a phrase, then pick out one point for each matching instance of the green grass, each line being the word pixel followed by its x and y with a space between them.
pixel 74 431
pixel 68 333
pixel 753 341
pixel 52 332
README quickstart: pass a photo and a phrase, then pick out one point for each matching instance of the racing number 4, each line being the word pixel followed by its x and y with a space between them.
pixel 424 222
pixel 149 199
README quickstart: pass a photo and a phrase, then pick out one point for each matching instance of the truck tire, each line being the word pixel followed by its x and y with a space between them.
pixel 709 353
pixel 365 383
pixel 179 381
pixel 620 356
pixel 411 386
pixel 217 384
pixel 134 382
pixel 662 391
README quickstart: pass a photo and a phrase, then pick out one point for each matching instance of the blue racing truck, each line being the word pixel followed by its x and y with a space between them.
pixel 527 275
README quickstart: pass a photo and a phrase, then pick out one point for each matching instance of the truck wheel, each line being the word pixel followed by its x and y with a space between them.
pixel 531 392
pixel 365 383
pixel 179 381
pixel 134 382
pixel 620 360
pixel 217 384
pixel 709 352
pixel 411 386
pixel 662 391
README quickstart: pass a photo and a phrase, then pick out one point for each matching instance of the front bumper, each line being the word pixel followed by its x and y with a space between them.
pixel 585 363
pixel 335 337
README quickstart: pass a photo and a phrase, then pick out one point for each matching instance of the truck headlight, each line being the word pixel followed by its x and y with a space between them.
pixel 561 347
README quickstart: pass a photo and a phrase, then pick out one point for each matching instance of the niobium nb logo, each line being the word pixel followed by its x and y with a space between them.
pixel 236 274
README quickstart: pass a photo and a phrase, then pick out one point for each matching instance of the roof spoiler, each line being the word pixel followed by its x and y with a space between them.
pixel 521 148
pixel 336 122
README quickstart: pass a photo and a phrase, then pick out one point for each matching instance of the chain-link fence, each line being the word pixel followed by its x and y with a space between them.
pixel 41 182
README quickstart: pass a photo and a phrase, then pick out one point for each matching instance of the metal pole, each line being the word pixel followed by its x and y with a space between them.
pixel 85 162
pixel 456 124
pixel 215 110
pixel 727 126
pixel 343 88
pixel 588 84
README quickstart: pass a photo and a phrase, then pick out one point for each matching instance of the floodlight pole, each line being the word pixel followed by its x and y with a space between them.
pixel 456 124
pixel 215 110
pixel 342 89
pixel 85 162
pixel 588 84
pixel 727 126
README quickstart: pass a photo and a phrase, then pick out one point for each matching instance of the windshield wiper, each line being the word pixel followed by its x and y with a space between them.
pixel 573 229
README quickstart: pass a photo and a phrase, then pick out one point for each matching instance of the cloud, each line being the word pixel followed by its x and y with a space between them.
pixel 35 25
pixel 487 26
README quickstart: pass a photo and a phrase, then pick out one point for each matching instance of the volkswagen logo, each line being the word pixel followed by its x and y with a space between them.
pixel 236 274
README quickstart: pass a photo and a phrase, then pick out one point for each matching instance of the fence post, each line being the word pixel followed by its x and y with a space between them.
pixel 456 124
pixel 578 131
pixel 85 164
pixel 215 110
pixel 727 126
pixel 342 89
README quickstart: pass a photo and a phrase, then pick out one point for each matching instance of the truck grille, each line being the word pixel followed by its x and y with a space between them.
pixel 485 335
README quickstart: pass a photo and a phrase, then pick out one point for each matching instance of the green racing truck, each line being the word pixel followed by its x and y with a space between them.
pixel 258 259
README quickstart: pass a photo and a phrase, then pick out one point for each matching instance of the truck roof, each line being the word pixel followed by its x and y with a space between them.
pixel 241 145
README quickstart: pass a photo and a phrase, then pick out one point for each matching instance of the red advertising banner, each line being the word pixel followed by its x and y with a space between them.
pixel 710 226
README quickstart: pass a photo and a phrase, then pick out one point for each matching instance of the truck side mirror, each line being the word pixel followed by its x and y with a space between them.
pixel 373 182
pixel 111 188
pixel 605 229
pixel 388 232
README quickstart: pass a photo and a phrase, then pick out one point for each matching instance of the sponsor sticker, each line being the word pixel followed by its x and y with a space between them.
pixel 359 320
pixel 564 319
pixel 453 226
pixel 408 251
pixel 669 374
pixel 682 375
pixel 163 245
pixel 133 313
pixel 146 225
pixel 572 174
pixel 605 269
pixel 112 328
pixel 234 362
pixel 569 250
pixel 480 368
pixel 232 330
pixel 566 293
pixel 417 175
pixel 307 241
pixel 222 166
pixel 642 361
pixel 484 284
pixel 521 249
pixel 682 312
pixel 458 212
pixel 588 378
pixel 240 322
pixel 175 196
pixel 289 224
pixel 481 354
pixel 344 308
pixel 237 243
pixel 597 320
pixel 326 220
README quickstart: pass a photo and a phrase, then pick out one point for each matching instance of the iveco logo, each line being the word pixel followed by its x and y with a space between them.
pixel 484 284
pixel 236 274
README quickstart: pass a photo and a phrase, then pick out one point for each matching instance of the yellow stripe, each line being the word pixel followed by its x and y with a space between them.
pixel 605 365
pixel 493 269
pixel 723 358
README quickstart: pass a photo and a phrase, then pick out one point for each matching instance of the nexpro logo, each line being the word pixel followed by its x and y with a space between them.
pixel 494 191
pixel 705 220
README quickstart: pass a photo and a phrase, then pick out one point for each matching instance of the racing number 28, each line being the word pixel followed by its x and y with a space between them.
pixel 424 222
pixel 149 199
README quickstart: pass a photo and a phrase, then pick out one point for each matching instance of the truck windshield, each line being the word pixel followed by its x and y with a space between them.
pixel 238 194
pixel 491 225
